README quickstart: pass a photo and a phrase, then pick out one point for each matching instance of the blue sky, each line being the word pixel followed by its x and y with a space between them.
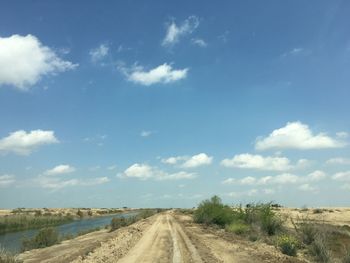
pixel 164 103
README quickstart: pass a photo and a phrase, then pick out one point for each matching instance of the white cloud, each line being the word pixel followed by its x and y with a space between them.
pixel 24 60
pixel 146 133
pixel 198 160
pixel 6 180
pixel 99 53
pixel 248 180
pixel 316 176
pixel 145 172
pixel 342 176
pixel 281 179
pixel 163 74
pixel 23 143
pixel 338 160
pixel 56 183
pixel 175 32
pixel 308 188
pixel 296 135
pixel 174 160
pixel 199 42
pixel 229 181
pixel 60 169
pixel 185 161
pixel 249 161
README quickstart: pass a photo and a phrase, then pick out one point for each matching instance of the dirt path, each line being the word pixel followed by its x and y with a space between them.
pixel 169 238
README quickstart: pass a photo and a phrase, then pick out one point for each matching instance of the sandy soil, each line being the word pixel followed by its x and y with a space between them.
pixel 165 237
pixel 334 216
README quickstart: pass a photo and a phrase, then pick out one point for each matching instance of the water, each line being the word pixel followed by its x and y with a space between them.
pixel 12 241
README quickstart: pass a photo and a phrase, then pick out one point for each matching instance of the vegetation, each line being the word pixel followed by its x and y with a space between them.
pixel 7 257
pixel 118 222
pixel 46 237
pixel 214 212
pixel 238 228
pixel 288 245
pixel 319 249
pixel 19 222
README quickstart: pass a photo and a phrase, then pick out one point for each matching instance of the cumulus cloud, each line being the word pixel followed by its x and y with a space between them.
pixel 24 60
pixel 296 135
pixel 23 143
pixel 250 161
pixel 56 183
pixel 99 53
pixel 175 32
pixel 194 161
pixel 198 160
pixel 316 176
pixel 60 169
pixel 338 160
pixel 174 160
pixel 342 176
pixel 199 42
pixel 145 172
pixel 163 74
pixel 342 134
pixel 6 180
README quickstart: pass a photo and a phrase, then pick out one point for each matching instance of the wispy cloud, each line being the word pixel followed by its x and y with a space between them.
pixel 146 133
pixel 281 179
pixel 199 42
pixel 339 160
pixel 7 180
pixel 99 53
pixel 24 143
pixel 24 60
pixel 175 32
pixel 163 74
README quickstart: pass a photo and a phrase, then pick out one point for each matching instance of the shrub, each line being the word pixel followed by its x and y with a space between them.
pixel 319 249
pixel 346 258
pixel 288 245
pixel 146 213
pixel 80 213
pixel 118 222
pixel 318 211
pixel 270 223
pixel 213 212
pixel 7 257
pixel 308 232
pixel 238 228
pixel 46 237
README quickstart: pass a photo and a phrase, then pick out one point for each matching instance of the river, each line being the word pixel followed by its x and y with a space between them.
pixel 12 241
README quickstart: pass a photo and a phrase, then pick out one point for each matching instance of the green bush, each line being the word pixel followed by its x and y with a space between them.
pixel 269 221
pixel 238 228
pixel 46 237
pixel 213 212
pixel 288 245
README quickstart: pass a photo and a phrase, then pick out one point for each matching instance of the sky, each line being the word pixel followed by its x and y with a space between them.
pixel 167 103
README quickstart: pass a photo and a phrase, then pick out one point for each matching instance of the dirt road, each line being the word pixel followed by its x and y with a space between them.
pixel 169 238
